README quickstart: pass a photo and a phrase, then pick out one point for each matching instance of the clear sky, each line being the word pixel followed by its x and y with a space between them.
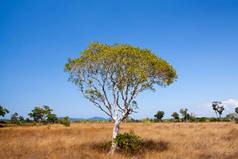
pixel 199 38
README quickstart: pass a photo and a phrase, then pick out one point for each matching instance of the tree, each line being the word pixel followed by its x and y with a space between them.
pixel 192 117
pixel 159 115
pixel 3 111
pixel 231 116
pixel 37 114
pixel 65 121
pixel 15 119
pixel 51 118
pixel 218 108
pixel 40 114
pixel 184 113
pixel 28 120
pixel 175 115
pixel 21 118
pixel 236 110
pixel 111 76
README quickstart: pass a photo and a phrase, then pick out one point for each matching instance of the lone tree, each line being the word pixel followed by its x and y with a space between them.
pixel 15 119
pixel 43 113
pixel 218 108
pixel 159 115
pixel 175 115
pixel 111 76
pixel 185 114
pixel 3 111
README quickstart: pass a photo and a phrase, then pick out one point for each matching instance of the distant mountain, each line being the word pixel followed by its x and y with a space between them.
pixel 92 118
pixel 97 118
pixel 72 119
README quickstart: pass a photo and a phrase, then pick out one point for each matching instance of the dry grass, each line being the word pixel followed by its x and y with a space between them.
pixel 173 141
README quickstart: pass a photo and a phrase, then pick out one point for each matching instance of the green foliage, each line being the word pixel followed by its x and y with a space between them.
pixel 21 119
pixel 231 116
pixel 218 108
pixel 128 143
pixel 43 114
pixel 37 114
pixel 236 110
pixel 15 119
pixel 236 120
pixel 65 121
pixel 122 69
pixel 185 114
pixel 191 117
pixel 202 119
pixel 214 119
pixel 51 118
pixel 3 111
pixel 159 115
pixel 175 115
pixel 28 120
pixel 145 120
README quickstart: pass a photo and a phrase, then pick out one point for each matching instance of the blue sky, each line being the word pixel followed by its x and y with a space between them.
pixel 199 38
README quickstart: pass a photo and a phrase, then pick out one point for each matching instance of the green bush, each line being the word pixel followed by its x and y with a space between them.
pixel 128 143
pixel 65 121
pixel 236 120
pixel 145 120
pixel 225 120
pixel 202 119
pixel 214 119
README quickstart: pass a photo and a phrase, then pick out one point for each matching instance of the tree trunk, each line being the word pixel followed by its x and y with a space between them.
pixel 114 134
pixel 216 114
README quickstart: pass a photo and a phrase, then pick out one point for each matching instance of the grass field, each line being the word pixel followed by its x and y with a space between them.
pixel 174 141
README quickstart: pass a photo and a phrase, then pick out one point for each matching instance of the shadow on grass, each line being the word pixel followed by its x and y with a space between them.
pixel 147 145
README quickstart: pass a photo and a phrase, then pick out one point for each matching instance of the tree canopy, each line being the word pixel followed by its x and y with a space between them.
pixel 159 115
pixel 184 113
pixel 43 113
pixel 175 115
pixel 218 108
pixel 3 111
pixel 122 69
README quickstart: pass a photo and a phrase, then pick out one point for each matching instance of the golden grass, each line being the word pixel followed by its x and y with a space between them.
pixel 178 141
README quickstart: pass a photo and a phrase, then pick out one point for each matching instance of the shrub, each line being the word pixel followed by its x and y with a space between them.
pixel 145 120
pixel 214 120
pixel 202 119
pixel 236 120
pixel 128 143
pixel 225 120
pixel 65 121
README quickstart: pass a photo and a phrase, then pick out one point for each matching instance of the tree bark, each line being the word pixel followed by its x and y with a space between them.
pixel 114 134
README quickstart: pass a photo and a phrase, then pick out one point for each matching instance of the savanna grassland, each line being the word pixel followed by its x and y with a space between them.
pixel 83 140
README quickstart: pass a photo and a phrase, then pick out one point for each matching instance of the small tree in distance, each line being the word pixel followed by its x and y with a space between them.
pixel 236 110
pixel 21 119
pixel 175 115
pixel 15 119
pixel 218 108
pixel 159 115
pixel 65 121
pixel 42 114
pixel 111 76
pixel 184 113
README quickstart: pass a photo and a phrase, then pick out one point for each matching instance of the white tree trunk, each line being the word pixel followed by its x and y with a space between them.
pixel 114 134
